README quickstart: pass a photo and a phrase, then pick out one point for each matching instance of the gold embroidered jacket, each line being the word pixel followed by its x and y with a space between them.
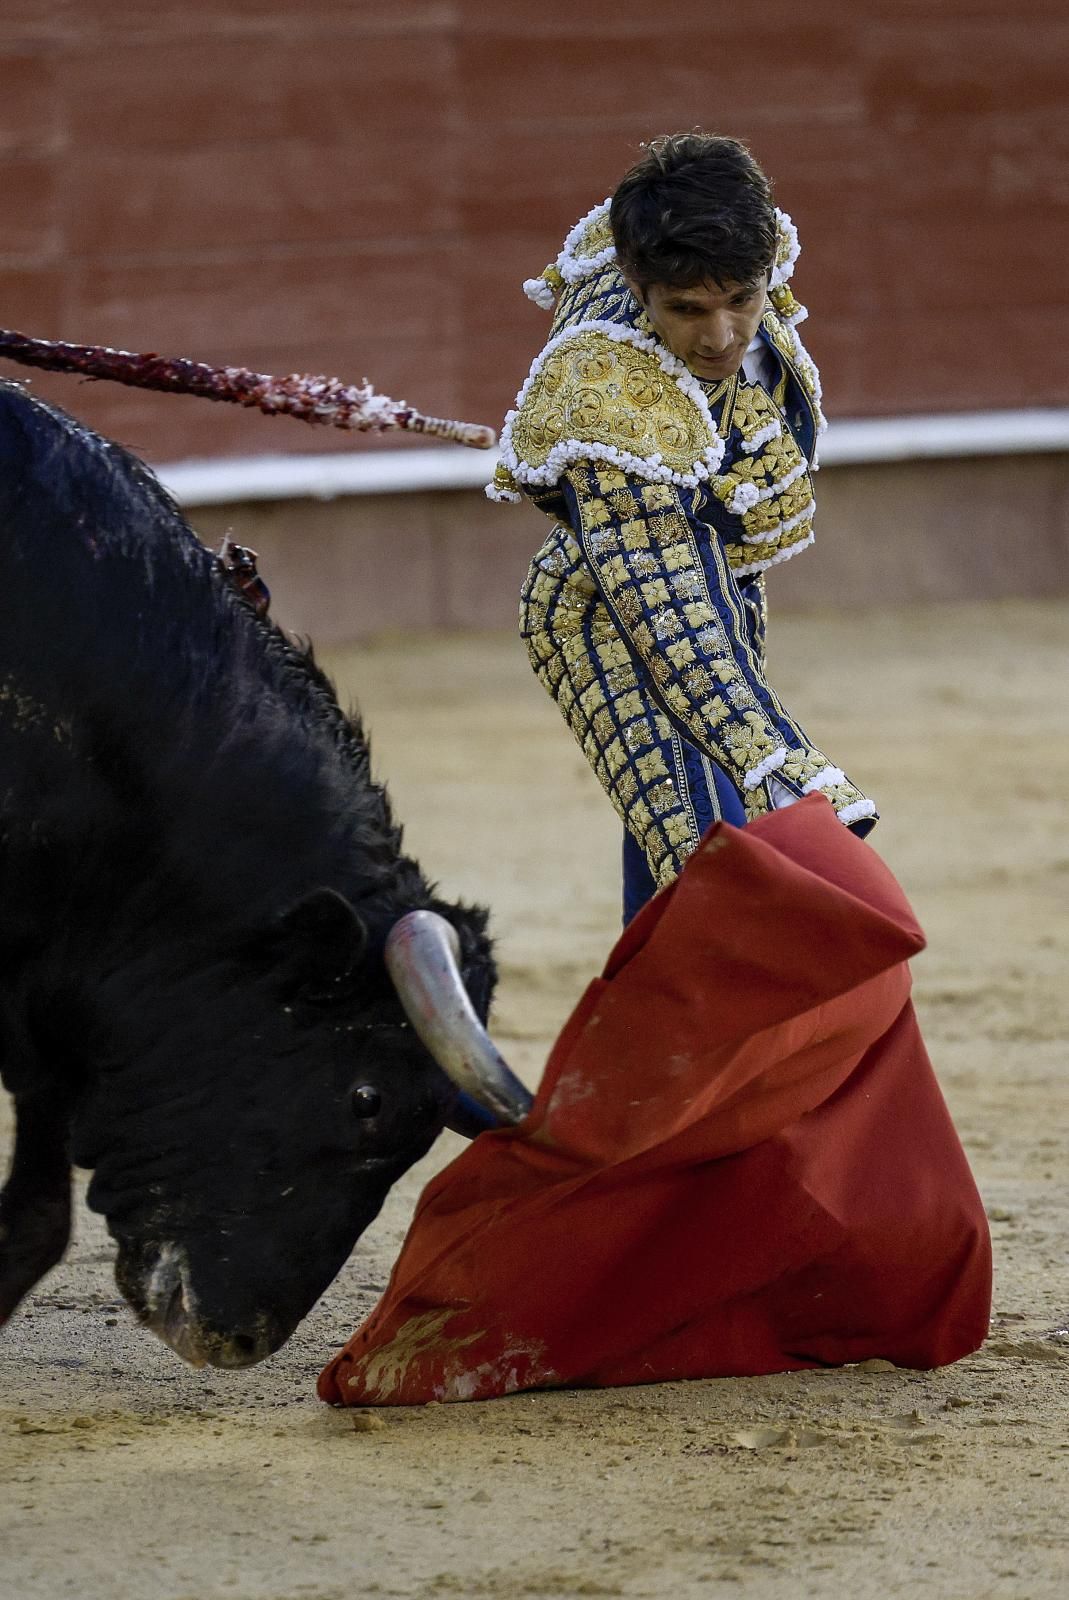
pixel 643 612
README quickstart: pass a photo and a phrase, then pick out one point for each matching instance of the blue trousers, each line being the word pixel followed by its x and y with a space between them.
pixel 715 799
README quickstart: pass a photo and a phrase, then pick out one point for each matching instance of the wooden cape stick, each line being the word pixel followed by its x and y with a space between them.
pixel 322 400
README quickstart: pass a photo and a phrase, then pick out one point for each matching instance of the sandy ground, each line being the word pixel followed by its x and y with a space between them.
pixel 126 1475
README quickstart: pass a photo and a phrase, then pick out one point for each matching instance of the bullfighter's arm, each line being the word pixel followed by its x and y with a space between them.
pixel 683 619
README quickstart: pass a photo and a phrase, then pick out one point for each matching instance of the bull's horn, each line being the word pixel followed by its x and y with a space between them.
pixel 422 958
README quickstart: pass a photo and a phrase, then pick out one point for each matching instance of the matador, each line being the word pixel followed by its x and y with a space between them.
pixel 669 431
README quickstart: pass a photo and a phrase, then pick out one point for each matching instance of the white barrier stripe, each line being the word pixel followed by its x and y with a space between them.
pixel 862 440
pixel 854 442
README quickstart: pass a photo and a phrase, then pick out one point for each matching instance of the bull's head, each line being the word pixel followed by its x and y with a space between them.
pixel 261 1129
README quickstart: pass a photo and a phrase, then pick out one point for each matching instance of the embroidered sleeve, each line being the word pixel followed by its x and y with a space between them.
pixel 684 622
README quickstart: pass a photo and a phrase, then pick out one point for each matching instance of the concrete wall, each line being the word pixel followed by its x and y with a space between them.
pixel 886 535
pixel 356 186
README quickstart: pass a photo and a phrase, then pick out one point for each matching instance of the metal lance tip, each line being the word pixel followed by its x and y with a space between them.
pixel 422 958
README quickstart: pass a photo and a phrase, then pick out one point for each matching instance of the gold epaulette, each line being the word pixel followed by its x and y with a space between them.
pixel 605 392
pixel 587 247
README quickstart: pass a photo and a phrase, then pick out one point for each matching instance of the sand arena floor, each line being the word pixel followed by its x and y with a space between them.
pixel 126 1476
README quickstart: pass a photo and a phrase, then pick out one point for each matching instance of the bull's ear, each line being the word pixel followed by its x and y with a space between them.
pixel 320 943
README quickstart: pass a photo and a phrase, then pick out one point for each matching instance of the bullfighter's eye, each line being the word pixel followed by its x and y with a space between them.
pixel 366 1101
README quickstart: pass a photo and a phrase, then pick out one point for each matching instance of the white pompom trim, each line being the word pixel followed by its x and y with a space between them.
pixel 748 495
pixel 772 534
pixel 773 561
pixel 573 267
pixel 785 229
pixel 826 778
pixel 771 430
pixel 538 290
pixel 804 361
pixel 771 763
pixel 857 812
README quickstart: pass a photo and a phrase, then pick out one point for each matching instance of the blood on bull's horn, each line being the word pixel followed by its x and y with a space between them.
pixel 422 958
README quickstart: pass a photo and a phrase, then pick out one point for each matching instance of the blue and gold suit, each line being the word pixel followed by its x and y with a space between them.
pixel 644 610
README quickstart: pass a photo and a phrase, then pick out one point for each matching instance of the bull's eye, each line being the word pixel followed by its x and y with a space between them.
pixel 366 1101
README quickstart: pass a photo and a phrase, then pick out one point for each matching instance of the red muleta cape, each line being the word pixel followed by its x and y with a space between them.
pixel 738 1160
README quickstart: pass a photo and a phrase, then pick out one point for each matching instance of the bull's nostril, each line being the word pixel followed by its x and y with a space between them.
pixel 245 1343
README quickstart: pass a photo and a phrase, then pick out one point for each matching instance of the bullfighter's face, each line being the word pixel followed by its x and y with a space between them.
pixel 276 1110
pixel 708 325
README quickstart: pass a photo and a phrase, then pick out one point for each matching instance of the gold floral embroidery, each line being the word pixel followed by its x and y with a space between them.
pixel 635 535
pixel 620 678
pixel 651 767
pixel 630 705
pixel 661 798
pixel 596 390
pixel 626 787
pixel 767 488
pixel 678 829
pixel 655 845
pixel 603 724
pixel 680 653
pixel 637 734
pixel 686 650
pixel 748 742
pixel 623 725
pixel 755 802
pixel 629 605
pixel 623 503
pixel 582 673
pixel 613 653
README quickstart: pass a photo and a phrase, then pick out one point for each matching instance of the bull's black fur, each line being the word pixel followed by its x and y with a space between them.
pixel 178 787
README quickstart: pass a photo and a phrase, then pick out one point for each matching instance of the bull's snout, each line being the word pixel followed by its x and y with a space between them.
pixel 170 1310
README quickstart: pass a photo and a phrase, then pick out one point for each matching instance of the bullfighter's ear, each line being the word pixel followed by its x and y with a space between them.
pixel 321 942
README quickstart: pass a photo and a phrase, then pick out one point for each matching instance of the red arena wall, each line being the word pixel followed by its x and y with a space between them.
pixel 359 188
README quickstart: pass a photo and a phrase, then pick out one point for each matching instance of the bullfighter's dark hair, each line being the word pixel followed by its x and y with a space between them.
pixel 696 208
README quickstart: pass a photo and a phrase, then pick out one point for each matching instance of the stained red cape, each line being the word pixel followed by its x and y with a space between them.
pixel 738 1161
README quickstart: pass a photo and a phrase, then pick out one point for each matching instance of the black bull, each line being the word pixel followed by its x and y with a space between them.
pixel 197 879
